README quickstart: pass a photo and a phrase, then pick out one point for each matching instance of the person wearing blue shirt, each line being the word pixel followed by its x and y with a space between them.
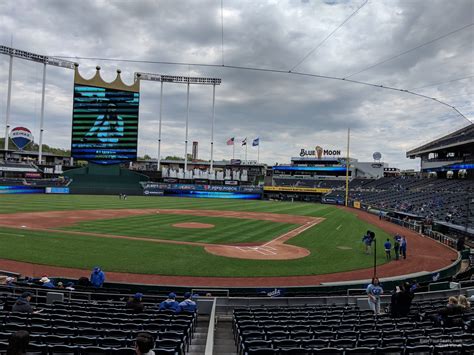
pixel 374 291
pixel 97 277
pixel 403 247
pixel 388 249
pixel 170 304
pixel 189 303
pixel 46 282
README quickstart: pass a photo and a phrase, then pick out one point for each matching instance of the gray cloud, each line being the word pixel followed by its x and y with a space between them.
pixel 288 112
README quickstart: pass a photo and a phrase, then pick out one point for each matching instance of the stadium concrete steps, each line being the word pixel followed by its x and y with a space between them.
pixel 198 343
pixel 224 338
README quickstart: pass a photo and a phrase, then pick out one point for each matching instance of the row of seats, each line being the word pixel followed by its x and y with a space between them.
pixel 344 329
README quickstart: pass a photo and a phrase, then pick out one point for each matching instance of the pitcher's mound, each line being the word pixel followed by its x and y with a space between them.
pixel 195 225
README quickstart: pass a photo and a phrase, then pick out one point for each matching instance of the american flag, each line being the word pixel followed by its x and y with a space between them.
pixel 230 141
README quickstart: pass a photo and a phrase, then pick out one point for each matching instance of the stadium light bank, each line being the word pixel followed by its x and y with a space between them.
pixel 45 60
pixel 188 80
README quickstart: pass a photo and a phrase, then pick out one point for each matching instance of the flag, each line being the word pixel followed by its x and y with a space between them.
pixel 256 142
pixel 244 142
pixel 230 141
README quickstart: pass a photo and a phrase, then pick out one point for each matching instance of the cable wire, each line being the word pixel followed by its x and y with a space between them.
pixel 410 50
pixel 327 37
pixel 443 82
pixel 269 70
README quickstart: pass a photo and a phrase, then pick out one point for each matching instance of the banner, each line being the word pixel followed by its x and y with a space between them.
pixel 314 190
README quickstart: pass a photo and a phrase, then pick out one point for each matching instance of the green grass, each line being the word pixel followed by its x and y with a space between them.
pixel 225 231
pixel 59 248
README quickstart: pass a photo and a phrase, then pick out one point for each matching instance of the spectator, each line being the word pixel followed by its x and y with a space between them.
pixel 70 286
pixel 135 304
pixel 189 303
pixel 170 304
pixel 451 309
pixel 401 301
pixel 22 304
pixel 396 247
pixel 60 285
pixel 45 282
pixel 414 286
pixel 18 343
pixel 144 343
pixel 97 277
pixel 388 249
pixel 403 247
pixel 464 303
pixel 374 291
pixel 83 281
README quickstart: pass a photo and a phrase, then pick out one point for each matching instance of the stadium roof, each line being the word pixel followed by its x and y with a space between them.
pixel 462 136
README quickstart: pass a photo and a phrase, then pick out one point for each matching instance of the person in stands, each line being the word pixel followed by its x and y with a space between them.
pixel 374 291
pixel 97 277
pixel 22 304
pixel 170 304
pixel 401 301
pixel 135 304
pixel 189 303
pixel 144 344
pixel 18 343
pixel 464 303
pixel 46 282
pixel 451 309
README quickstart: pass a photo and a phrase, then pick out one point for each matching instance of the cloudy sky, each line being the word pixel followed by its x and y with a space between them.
pixel 288 112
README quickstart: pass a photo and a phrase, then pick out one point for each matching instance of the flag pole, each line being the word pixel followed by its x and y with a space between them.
pixel 347 167
pixel 246 144
pixel 233 150
pixel 258 152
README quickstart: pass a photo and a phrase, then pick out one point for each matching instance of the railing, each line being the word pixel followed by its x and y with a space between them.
pixel 210 332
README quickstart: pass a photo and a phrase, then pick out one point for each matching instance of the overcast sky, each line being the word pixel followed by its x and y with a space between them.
pixel 287 112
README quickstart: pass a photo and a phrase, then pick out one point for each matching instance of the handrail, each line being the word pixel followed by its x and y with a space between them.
pixel 210 332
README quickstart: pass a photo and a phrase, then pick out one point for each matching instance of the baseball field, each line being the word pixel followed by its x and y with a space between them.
pixel 185 237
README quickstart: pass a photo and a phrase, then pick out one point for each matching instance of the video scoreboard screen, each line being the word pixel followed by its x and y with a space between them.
pixel 104 124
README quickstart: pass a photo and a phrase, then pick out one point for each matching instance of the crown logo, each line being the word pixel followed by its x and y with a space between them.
pixel 97 81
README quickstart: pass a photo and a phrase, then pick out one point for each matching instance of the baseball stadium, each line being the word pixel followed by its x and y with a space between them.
pixel 106 252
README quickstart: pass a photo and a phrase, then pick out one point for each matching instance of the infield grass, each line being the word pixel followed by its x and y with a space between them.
pixel 339 229
pixel 225 230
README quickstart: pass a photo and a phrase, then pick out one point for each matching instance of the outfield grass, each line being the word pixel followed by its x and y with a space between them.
pixel 225 231
pixel 59 248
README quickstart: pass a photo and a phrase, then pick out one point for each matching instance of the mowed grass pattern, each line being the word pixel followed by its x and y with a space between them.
pixel 32 203
pixel 225 231
pixel 341 228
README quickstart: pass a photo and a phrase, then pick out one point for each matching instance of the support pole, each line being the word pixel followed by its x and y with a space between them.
pixel 347 167
pixel 212 126
pixel 9 98
pixel 186 136
pixel 158 167
pixel 43 93
pixel 375 256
